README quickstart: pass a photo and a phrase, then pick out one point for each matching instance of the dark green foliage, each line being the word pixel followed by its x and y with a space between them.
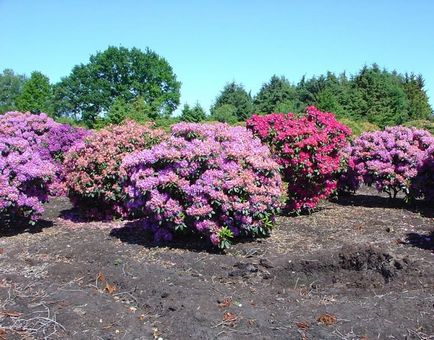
pixel 418 107
pixel 278 95
pixel 234 94
pixel 195 114
pixel 225 114
pixel 10 88
pixel 91 89
pixel 36 95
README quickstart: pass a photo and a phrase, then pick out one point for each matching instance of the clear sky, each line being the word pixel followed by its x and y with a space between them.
pixel 210 43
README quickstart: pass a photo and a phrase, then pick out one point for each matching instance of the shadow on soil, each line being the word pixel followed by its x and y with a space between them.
pixel 422 241
pixel 373 201
pixel 15 227
pixel 133 233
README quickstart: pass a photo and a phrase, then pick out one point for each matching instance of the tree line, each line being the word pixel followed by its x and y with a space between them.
pixel 121 83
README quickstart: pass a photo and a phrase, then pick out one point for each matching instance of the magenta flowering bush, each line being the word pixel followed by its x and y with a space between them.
pixel 24 179
pixel 389 159
pixel 308 149
pixel 92 167
pixel 45 137
pixel 210 179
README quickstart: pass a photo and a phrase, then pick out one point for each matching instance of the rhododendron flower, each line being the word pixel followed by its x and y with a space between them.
pixel 307 147
pixel 93 176
pixel 210 179
pixel 389 159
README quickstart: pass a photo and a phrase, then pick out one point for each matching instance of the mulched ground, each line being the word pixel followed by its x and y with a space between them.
pixel 358 268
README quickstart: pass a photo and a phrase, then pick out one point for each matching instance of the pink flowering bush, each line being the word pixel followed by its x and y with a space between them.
pixel 209 179
pixel 307 148
pixel 389 159
pixel 423 184
pixel 93 174
pixel 24 179
pixel 46 137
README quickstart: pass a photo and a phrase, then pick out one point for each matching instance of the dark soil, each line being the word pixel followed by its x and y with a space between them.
pixel 359 268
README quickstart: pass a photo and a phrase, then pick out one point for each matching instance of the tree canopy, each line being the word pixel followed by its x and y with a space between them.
pixel 193 114
pixel 118 72
pixel 10 87
pixel 234 94
pixel 36 95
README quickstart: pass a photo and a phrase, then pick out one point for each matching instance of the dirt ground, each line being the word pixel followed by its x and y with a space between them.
pixel 358 268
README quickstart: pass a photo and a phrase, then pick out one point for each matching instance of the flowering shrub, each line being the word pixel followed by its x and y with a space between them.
pixel 308 150
pixel 93 176
pixel 211 179
pixel 388 159
pixel 24 179
pixel 45 137
pixel 348 180
pixel 423 183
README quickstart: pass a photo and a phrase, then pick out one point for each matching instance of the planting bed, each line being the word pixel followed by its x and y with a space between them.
pixel 358 268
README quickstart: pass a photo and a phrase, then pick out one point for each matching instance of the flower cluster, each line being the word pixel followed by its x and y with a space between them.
pixel 50 140
pixel 307 147
pixel 209 179
pixel 93 176
pixel 24 178
pixel 389 159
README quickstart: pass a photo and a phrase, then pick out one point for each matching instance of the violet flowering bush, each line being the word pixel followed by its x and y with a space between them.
pixel 423 184
pixel 92 167
pixel 24 179
pixel 213 180
pixel 389 159
pixel 308 150
pixel 49 139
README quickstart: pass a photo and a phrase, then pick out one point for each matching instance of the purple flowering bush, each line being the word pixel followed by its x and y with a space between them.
pixel 209 179
pixel 24 179
pixel 423 183
pixel 388 159
pixel 49 139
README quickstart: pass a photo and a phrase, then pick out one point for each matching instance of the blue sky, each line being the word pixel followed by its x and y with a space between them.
pixel 210 43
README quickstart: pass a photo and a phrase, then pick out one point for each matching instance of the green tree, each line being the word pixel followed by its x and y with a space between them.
pixel 278 95
pixel 139 111
pixel 36 95
pixel 378 97
pixel 225 114
pixel 90 89
pixel 234 94
pixel 10 87
pixel 118 111
pixel 195 114
pixel 419 107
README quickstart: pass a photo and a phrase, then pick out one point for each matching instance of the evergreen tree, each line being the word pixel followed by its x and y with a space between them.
pixel 195 114
pixel 36 95
pixel 234 94
pixel 10 88
pixel 276 95
pixel 225 114
pixel 118 111
pixel 419 107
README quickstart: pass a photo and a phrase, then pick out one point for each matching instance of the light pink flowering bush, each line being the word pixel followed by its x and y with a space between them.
pixel 93 176
pixel 389 159
pixel 209 179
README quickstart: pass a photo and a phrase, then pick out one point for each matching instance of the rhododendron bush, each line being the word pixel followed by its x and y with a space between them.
pixel 50 140
pixel 389 159
pixel 210 179
pixel 307 147
pixel 93 176
pixel 423 183
pixel 24 179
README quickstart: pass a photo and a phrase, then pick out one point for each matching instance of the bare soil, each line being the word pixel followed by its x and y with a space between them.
pixel 360 267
